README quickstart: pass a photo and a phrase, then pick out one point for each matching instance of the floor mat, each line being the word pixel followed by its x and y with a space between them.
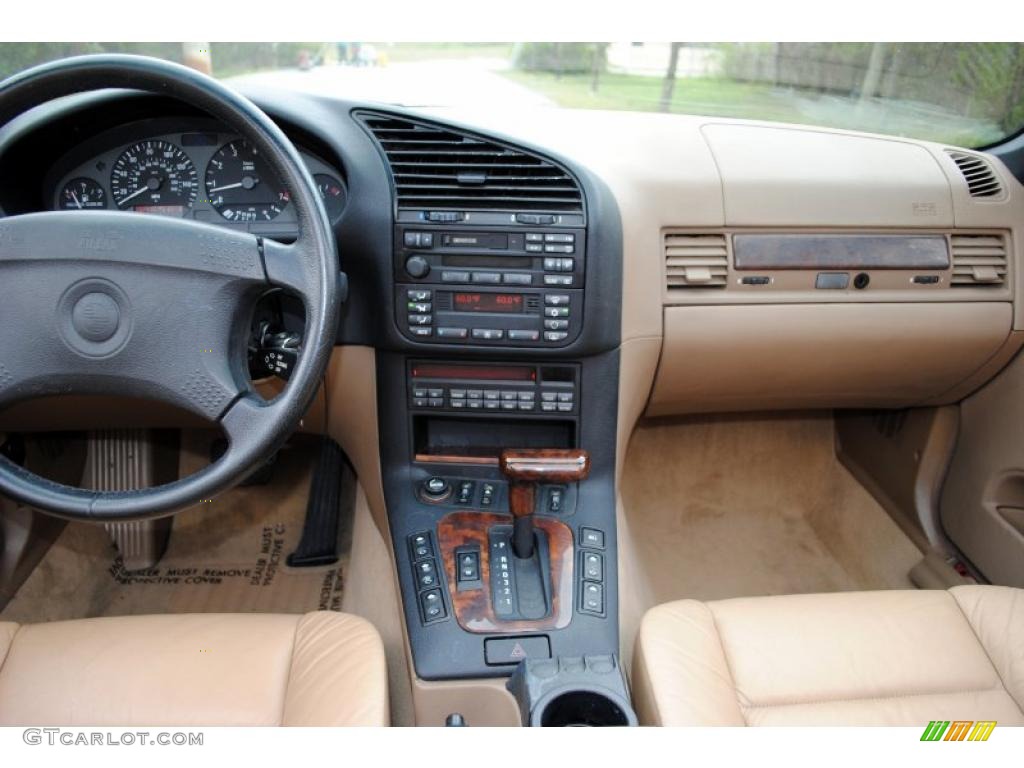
pixel 224 556
pixel 737 506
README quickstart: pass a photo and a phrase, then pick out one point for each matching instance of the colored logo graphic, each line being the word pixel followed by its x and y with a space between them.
pixel 958 730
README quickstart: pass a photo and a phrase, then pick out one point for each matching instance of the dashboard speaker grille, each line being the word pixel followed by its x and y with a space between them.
pixel 981 179
pixel 695 261
pixel 438 167
pixel 978 260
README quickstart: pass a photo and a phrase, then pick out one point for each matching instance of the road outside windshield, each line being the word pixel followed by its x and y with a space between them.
pixel 968 94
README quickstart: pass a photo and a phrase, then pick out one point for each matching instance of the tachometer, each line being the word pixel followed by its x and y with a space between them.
pixel 154 177
pixel 242 186
pixel 83 194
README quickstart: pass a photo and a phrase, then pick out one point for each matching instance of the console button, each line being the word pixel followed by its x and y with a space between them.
pixel 556 325
pixel 534 248
pixel 526 406
pixel 419 402
pixel 534 237
pixel 556 299
pixel 420 319
pixel 593 566
pixel 556 311
pixel 556 498
pixel 550 248
pixel 454 276
pixel 520 335
pixel 565 397
pixel 535 218
pixel 549 397
pixel 435 393
pixel 419 392
pixel 421 330
pixel 592 597
pixel 548 407
pixel 474 394
pixel 508 405
pixel 426 574
pixel 422 307
pixel 512 650
pixel 469 566
pixel 518 278
pixel 555 335
pixel 508 394
pixel 559 237
pixel 465 495
pixel 591 537
pixel 421 545
pixel 432 604
pixel 566 265
pixel 436 402
pixel 452 333
pixel 418 295
pixel 561 280
pixel 457 393
pixel 491 394
pixel 445 217
pixel 565 407
pixel 491 405
pixel 486 277
pixel 487 494
pixel 551 264
pixel 488 334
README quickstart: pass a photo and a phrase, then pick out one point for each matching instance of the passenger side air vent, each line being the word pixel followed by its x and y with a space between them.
pixel 435 167
pixel 696 261
pixel 978 260
pixel 981 179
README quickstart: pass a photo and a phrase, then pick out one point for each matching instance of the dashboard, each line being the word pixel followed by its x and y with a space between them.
pixel 193 169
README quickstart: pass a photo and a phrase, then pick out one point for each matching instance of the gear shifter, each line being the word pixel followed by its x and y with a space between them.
pixel 525 469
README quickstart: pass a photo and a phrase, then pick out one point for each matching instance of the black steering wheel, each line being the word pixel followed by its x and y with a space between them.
pixel 96 302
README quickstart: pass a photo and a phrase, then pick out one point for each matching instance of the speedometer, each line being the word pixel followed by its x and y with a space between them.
pixel 242 186
pixel 154 177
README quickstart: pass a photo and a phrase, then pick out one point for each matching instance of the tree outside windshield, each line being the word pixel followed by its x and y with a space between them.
pixel 969 94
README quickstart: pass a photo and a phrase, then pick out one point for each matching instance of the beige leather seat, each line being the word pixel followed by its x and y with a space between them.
pixel 196 669
pixel 860 658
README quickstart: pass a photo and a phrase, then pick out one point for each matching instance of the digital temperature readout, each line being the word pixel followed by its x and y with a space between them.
pixel 488 302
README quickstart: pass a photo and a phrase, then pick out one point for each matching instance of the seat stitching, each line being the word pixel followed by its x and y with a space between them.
pixel 728 666
pixel 984 650
pixel 291 665
pixel 798 703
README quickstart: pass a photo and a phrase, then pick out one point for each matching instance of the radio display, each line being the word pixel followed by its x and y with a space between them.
pixel 488 302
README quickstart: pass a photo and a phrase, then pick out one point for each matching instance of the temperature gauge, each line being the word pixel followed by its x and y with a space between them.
pixel 82 194
pixel 332 192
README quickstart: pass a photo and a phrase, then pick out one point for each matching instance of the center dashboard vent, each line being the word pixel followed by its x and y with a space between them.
pixel 978 260
pixel 981 178
pixel 695 261
pixel 438 167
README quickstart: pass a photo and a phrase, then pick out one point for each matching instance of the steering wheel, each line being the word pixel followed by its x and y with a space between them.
pixel 98 302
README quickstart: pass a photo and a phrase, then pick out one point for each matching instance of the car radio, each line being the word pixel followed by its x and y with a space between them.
pixel 510 287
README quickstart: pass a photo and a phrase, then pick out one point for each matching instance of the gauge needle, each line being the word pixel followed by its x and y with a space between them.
pixel 226 186
pixel 136 193
pixel 75 198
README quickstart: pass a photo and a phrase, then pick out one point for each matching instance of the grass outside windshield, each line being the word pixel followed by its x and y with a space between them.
pixel 968 94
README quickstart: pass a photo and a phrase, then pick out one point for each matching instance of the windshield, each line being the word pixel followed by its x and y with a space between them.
pixel 968 94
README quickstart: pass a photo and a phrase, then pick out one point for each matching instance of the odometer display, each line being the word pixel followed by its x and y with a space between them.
pixel 488 302
pixel 154 174
pixel 241 185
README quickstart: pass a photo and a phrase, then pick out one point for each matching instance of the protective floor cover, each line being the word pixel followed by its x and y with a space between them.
pixel 754 505
pixel 226 555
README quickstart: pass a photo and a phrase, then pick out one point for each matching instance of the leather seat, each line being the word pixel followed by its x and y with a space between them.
pixel 322 668
pixel 860 658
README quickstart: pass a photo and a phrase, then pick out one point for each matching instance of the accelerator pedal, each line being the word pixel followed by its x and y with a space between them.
pixel 127 460
pixel 331 496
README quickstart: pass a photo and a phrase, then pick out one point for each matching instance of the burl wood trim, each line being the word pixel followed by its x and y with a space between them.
pixel 473 608
pixel 545 465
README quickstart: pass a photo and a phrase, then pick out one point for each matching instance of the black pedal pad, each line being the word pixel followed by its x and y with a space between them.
pixel 329 498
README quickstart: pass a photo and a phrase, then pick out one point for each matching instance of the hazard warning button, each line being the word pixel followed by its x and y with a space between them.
pixel 512 650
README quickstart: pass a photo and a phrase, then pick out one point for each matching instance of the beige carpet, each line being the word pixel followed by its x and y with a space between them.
pixel 227 555
pixel 735 506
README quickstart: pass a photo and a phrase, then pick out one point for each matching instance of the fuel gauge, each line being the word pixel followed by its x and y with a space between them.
pixel 332 192
pixel 83 194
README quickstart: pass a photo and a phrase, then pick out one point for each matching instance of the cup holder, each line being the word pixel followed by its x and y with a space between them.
pixel 581 708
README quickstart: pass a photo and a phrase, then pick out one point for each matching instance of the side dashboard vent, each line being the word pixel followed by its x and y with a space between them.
pixel 695 261
pixel 437 167
pixel 978 260
pixel 981 178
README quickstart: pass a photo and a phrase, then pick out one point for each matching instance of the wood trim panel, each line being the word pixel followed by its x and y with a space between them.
pixel 472 608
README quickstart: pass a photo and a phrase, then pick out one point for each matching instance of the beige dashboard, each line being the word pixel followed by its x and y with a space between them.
pixel 697 338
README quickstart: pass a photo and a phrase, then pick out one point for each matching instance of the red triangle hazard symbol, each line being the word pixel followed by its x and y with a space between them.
pixel 518 652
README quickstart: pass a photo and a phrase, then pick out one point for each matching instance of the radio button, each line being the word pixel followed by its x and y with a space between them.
pixel 549 397
pixel 558 237
pixel 474 394
pixel 508 394
pixel 524 335
pixel 491 405
pixel 555 335
pixel 567 265
pixel 488 334
pixel 527 395
pixel 551 264
pixel 491 394
pixel 518 278
pixel 419 392
pixel 549 407
pixel 534 237
pixel 486 277
pixel 535 218
pixel 452 333
pixel 565 407
pixel 562 280
pixel 457 394
pixel 436 402
pixel 565 397
pixel 418 295
pixel 556 325
pixel 508 405
pixel 477 404
pixel 549 248
pixel 526 406
pixel 420 330
pixel 453 276
pixel 534 248
pixel 419 239
pixel 435 393
pixel 419 402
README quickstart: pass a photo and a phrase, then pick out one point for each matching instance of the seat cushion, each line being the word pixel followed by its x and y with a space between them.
pixel 322 668
pixel 856 658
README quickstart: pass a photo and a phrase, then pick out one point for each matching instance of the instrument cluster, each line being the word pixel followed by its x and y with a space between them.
pixel 202 173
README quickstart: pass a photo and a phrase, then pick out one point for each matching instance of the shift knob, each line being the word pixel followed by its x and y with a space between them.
pixel 525 468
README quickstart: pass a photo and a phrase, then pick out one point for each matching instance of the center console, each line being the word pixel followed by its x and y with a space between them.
pixel 498 399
